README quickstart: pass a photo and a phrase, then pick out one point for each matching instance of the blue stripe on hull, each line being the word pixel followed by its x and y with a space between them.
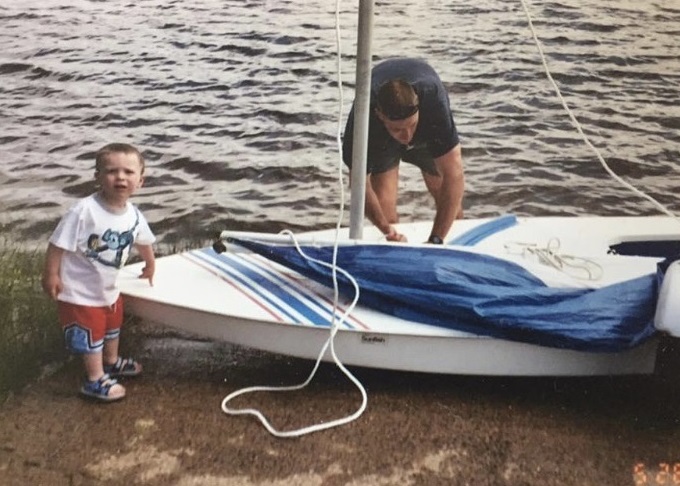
pixel 294 304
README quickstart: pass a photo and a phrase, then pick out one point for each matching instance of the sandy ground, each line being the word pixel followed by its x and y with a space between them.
pixel 417 430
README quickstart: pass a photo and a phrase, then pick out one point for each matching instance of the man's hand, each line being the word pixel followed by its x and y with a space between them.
pixel 393 235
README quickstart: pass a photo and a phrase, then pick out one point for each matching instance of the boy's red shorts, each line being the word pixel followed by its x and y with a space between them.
pixel 86 328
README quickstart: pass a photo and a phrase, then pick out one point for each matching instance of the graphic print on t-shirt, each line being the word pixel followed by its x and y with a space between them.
pixel 111 241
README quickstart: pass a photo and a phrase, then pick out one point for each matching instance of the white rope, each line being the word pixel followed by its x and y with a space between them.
pixel 576 123
pixel 329 342
pixel 576 267
pixel 335 323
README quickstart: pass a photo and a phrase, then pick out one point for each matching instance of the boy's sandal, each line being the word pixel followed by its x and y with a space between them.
pixel 123 367
pixel 105 389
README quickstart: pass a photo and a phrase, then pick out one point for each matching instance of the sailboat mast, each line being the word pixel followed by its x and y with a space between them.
pixel 361 113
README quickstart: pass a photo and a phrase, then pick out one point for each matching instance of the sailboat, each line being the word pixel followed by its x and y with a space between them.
pixel 509 295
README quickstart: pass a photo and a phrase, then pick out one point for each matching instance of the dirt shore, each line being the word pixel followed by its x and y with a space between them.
pixel 417 430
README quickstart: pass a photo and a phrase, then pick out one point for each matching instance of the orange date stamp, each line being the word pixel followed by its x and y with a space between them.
pixel 660 474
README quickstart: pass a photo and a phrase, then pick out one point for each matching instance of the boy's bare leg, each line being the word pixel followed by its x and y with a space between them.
pixel 94 367
pixel 111 351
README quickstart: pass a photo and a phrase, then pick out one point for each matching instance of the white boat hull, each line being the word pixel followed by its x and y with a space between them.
pixel 247 300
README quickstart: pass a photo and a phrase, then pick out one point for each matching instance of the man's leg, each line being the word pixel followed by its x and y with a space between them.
pixel 434 185
pixel 433 182
pixel 385 186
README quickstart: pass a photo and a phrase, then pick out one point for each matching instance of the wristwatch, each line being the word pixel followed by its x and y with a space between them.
pixel 435 240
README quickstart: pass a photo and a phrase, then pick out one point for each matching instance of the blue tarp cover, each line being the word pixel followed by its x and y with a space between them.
pixel 481 294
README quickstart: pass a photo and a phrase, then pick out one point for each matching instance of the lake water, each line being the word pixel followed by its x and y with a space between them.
pixel 236 108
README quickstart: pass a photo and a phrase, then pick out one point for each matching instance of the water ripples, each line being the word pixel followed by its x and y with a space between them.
pixel 235 106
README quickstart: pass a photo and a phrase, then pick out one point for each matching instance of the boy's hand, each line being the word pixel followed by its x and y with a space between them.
pixel 147 272
pixel 51 279
pixel 52 285
pixel 146 251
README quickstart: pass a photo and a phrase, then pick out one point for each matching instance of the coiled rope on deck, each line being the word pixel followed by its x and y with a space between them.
pixel 549 255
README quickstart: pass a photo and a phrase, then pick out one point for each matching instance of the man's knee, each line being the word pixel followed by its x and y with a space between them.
pixel 433 184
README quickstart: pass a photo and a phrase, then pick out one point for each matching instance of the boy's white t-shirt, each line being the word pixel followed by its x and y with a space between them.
pixel 97 244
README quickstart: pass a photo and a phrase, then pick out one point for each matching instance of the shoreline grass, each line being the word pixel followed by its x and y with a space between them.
pixel 30 336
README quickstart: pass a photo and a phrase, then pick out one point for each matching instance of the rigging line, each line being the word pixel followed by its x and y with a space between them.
pixel 335 322
pixel 578 126
pixel 329 342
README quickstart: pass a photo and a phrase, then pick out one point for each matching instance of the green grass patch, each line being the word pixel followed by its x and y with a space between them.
pixel 30 336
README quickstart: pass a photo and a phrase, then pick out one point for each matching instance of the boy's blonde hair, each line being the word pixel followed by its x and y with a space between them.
pixel 116 148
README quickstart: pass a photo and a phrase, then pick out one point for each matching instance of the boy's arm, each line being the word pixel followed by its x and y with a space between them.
pixel 51 280
pixel 146 252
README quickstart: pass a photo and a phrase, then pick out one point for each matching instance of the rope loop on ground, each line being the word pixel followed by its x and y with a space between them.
pixel 335 323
